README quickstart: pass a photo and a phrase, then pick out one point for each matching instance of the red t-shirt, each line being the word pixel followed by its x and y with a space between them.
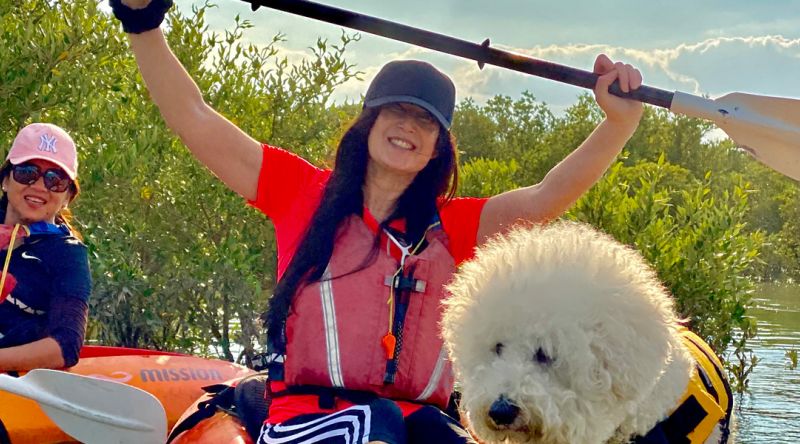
pixel 289 191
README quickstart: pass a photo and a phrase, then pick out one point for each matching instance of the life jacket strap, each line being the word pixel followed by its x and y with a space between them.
pixel 221 399
pixel 273 360
pixel 247 401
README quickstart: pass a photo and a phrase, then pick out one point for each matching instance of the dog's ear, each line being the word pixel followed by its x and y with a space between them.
pixel 632 354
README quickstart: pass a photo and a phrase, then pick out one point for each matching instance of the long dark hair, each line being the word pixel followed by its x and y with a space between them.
pixel 343 196
pixel 64 216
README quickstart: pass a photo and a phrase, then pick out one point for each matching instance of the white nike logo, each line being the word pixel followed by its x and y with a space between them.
pixel 25 255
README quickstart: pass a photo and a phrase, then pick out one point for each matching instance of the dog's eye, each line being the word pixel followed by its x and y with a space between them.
pixel 541 357
pixel 498 348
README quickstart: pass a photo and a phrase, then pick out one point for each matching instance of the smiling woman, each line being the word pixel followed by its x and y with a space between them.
pixel 45 278
pixel 364 249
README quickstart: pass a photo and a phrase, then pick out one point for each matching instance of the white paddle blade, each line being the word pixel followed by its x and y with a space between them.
pixel 766 127
pixel 93 410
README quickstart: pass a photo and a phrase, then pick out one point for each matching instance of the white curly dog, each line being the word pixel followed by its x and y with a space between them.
pixel 563 335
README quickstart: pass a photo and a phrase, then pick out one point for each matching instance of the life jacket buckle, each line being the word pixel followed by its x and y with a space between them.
pixel 263 361
pixel 405 283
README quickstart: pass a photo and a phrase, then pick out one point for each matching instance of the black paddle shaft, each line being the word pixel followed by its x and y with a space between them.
pixel 439 42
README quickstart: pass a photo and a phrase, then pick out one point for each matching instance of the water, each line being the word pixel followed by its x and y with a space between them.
pixel 770 413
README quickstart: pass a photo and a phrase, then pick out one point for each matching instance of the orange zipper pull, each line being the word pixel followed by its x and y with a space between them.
pixel 389 342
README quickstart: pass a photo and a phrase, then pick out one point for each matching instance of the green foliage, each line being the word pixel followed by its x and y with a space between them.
pixel 179 262
pixel 484 177
pixel 678 138
pixel 697 241
pixel 787 241
pixel 742 361
pixel 55 55
pixel 791 358
pixel 505 129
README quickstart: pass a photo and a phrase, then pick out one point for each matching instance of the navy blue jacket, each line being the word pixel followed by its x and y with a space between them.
pixel 50 298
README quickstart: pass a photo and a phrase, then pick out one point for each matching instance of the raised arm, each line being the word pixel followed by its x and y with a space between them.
pixel 581 169
pixel 226 150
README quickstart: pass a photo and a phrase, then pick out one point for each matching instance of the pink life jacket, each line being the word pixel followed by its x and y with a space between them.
pixel 335 330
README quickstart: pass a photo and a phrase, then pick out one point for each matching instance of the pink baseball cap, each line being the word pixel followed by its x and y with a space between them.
pixel 47 142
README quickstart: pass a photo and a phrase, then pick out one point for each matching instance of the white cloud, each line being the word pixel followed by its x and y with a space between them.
pixel 689 66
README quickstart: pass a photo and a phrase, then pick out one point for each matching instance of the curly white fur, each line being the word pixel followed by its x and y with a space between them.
pixel 570 326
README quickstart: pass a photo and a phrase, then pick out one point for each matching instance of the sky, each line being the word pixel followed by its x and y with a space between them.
pixel 700 47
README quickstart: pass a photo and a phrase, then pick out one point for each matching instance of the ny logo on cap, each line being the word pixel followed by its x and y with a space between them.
pixel 47 143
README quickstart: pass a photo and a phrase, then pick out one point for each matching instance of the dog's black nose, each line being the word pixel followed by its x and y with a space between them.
pixel 503 412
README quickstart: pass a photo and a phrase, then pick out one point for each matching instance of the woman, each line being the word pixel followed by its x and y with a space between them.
pixel 364 249
pixel 45 279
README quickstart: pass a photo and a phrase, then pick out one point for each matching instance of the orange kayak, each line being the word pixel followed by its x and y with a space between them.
pixel 221 428
pixel 175 379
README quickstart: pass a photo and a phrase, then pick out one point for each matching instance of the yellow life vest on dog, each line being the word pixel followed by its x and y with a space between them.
pixel 707 400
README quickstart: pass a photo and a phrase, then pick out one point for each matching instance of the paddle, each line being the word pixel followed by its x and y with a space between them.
pixel 93 410
pixel 766 127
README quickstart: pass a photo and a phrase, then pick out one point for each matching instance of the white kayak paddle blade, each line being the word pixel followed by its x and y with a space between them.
pixel 766 127
pixel 93 410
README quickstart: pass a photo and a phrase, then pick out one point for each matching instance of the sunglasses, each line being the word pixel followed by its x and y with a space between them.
pixel 55 179
pixel 422 118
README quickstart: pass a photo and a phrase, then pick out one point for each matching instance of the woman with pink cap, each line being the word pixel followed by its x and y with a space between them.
pixel 353 346
pixel 45 278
